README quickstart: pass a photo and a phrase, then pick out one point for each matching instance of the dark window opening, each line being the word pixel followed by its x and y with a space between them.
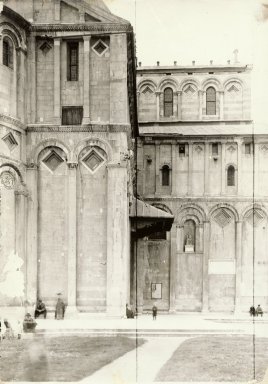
pixel 231 176
pixel 165 175
pixel 7 53
pixel 215 149
pixel 211 101
pixel 168 102
pixel 182 149
pixel 72 61
pixel 72 115
pixel 247 149
pixel 158 236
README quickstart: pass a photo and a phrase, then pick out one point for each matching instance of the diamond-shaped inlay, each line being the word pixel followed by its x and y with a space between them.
pixel 233 88
pixel 147 91
pixel 255 217
pixel 222 217
pixel 264 148
pixel 231 148
pixel 53 161
pixel 189 90
pixel 45 47
pixel 10 141
pixel 198 149
pixel 93 160
pixel 100 47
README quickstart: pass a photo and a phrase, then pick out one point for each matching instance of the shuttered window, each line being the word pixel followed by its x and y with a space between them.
pixel 211 101
pixel 231 176
pixel 72 61
pixel 72 115
pixel 168 102
pixel 7 52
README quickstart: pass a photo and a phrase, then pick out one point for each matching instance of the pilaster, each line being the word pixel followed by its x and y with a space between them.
pixel 179 94
pixel 206 178
pixel 71 236
pixel 57 88
pixel 173 269
pixel 174 170
pixel 200 98
pixel 157 168
pixel 205 266
pixel 190 168
pixel 86 117
pixel 239 168
pixel 221 95
pixel 223 170
pixel 238 266
pixel 157 105
pixel 117 240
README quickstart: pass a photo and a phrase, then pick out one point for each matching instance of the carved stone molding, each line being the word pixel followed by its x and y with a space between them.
pixel 79 128
pixel 12 121
pixel 100 27
pixel 72 165
pixel 7 180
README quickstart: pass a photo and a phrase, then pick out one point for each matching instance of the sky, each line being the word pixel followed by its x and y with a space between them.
pixel 203 30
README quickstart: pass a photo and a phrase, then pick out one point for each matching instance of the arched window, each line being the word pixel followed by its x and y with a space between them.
pixel 7 52
pixel 165 175
pixel 231 176
pixel 189 235
pixel 211 101
pixel 168 102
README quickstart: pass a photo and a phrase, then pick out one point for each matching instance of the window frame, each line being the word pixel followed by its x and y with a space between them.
pixel 72 68
pixel 165 175
pixel 71 109
pixel 168 103
pixel 231 176
pixel 8 52
pixel 248 145
pixel 211 103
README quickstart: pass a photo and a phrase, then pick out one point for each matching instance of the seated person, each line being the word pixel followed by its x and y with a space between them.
pixel 29 323
pixel 252 311
pixel 40 309
pixel 9 334
pixel 259 310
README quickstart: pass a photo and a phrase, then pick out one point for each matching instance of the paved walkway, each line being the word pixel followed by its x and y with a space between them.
pixel 138 366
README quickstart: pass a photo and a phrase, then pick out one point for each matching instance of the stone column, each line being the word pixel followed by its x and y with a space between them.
pixel 179 239
pixel 221 94
pixel 31 76
pixel 256 169
pixel 179 93
pixel 238 267
pixel 57 86
pixel 239 168
pixel 21 84
pixel 157 168
pixel 117 240
pixel 71 236
pixel 200 98
pixel 174 170
pixel 1 43
pixel 57 10
pixel 86 117
pixel 173 269
pixel 200 244
pixel 157 105
pixel 190 169
pixel 206 176
pixel 205 266
pixel 31 246
pixel 223 170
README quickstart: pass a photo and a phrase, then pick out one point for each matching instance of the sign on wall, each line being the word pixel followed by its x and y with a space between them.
pixel 156 290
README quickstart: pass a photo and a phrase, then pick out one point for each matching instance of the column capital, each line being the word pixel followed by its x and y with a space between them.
pixel 57 40
pixel 32 166
pixel 178 93
pixel 86 38
pixel 72 165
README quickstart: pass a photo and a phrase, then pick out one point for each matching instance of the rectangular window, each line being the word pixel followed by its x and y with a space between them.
pixel 72 115
pixel 72 61
pixel 215 149
pixel 247 148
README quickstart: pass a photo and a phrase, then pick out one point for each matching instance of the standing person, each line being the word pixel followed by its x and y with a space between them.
pixel 154 309
pixel 252 310
pixel 60 309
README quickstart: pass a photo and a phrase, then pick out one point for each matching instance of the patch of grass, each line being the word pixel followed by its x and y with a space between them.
pixel 66 358
pixel 217 358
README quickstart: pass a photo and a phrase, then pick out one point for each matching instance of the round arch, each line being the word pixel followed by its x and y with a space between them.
pixel 251 207
pixel 163 207
pixel 233 80
pixel 49 143
pixel 93 141
pixel 190 211
pixel 14 169
pixel 224 205
pixel 189 81
pixel 170 82
pixel 211 82
pixel 146 82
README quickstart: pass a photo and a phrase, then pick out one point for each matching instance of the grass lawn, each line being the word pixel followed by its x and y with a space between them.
pixel 216 358
pixel 66 358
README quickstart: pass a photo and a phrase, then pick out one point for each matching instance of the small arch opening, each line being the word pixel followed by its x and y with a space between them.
pixel 231 176
pixel 8 55
pixel 165 175
pixel 211 101
pixel 168 102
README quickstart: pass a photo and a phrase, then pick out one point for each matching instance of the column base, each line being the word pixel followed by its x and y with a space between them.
pixel 71 312
pixel 86 121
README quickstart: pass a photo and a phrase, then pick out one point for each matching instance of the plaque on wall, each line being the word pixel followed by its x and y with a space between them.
pixel 189 248
pixel 156 290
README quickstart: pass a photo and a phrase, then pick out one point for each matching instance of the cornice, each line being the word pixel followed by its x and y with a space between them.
pixel 207 199
pixel 96 27
pixel 79 128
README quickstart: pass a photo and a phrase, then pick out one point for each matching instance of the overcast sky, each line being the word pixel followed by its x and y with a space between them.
pixel 203 30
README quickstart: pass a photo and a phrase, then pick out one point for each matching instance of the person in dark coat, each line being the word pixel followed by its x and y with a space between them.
pixel 60 309
pixel 252 310
pixel 154 309
pixel 40 309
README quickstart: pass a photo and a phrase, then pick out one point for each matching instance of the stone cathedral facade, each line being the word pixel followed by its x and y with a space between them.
pixel 67 126
pixel 201 159
pixel 88 198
